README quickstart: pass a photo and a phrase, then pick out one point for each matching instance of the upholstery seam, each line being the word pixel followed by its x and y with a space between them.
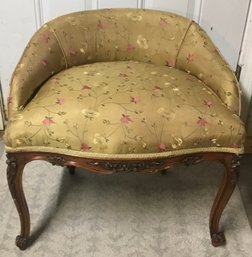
pixel 182 41
pixel 238 87
pixel 59 43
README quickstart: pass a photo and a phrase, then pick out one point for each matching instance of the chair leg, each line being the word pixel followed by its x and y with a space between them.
pixel 71 170
pixel 164 171
pixel 14 176
pixel 225 191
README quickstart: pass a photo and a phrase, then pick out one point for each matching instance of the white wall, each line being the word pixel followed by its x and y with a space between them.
pixel 224 21
pixel 179 7
pixel 17 24
pixel 53 8
pixel 246 74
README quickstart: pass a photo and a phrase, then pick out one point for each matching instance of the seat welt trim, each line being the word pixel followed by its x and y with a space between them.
pixel 106 156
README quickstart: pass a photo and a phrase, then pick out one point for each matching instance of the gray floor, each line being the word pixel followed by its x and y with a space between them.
pixel 245 182
pixel 245 185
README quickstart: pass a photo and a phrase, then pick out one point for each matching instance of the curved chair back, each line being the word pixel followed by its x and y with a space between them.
pixel 122 34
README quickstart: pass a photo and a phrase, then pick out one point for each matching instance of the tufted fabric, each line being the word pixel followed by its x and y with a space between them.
pixel 168 89
pixel 126 108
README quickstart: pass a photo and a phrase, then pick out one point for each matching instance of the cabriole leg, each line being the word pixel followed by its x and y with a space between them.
pixel 229 180
pixel 14 176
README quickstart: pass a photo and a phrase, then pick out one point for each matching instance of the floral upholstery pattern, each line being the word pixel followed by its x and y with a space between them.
pixel 125 107
pixel 123 83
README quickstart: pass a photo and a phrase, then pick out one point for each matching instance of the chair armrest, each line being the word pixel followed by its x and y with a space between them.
pixel 41 59
pixel 200 57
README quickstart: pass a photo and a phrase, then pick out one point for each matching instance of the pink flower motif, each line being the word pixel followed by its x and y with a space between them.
pixel 125 119
pixel 84 147
pixel 202 122
pixel 157 88
pixel 123 75
pixel 45 37
pixel 60 101
pixel 208 103
pixel 163 22
pixel 86 87
pixel 234 145
pixel 170 63
pixel 72 52
pixel 162 147
pixel 9 99
pixel 135 99
pixel 130 47
pixel 190 78
pixel 100 25
pixel 56 80
pixel 48 121
pixel 45 62
pixel 190 58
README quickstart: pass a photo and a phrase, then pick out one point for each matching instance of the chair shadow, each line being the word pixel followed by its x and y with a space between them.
pixel 66 183
pixel 245 185
pixel 144 187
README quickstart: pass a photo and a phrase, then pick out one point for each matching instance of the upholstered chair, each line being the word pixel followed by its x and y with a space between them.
pixel 123 90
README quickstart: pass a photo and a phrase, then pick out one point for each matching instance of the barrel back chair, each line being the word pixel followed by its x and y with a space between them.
pixel 123 90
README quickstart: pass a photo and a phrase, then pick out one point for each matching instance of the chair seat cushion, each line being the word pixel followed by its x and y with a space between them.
pixel 125 110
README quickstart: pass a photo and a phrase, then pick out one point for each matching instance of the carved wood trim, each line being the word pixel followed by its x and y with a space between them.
pixel 192 160
pixel 57 160
pixel 126 167
pixel 11 169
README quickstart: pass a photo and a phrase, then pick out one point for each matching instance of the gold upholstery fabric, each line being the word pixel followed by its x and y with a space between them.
pixel 199 56
pixel 126 107
pixel 179 97
pixel 41 59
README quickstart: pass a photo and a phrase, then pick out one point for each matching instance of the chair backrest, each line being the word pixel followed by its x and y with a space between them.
pixel 123 34
pixel 120 34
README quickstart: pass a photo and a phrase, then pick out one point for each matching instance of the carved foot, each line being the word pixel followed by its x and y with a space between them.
pixel 71 170
pixel 21 242
pixel 218 239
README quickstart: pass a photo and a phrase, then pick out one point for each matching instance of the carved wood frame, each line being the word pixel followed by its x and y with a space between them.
pixel 17 161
